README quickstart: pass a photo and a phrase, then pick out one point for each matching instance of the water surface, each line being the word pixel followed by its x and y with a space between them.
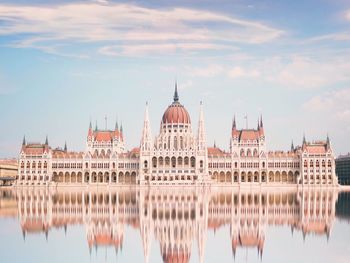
pixel 174 225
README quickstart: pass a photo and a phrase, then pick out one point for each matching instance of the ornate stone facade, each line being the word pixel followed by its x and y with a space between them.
pixel 176 156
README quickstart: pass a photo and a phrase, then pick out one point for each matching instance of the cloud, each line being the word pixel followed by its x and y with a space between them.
pixel 208 71
pixel 239 72
pixel 335 103
pixel 339 36
pixel 348 15
pixel 302 72
pixel 127 29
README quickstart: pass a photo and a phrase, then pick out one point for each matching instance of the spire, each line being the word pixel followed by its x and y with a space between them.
pixel 304 140
pixel 292 147
pixel 328 143
pixel 176 95
pixel 201 136
pixel 90 125
pixel 116 125
pixel 261 122
pixel 214 144
pixel 65 146
pixel 46 141
pixel 258 127
pixel 24 140
pixel 234 122
pixel 121 128
pixel 96 126
pixel 146 140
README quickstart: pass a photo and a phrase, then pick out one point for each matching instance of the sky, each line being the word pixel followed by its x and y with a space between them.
pixel 64 63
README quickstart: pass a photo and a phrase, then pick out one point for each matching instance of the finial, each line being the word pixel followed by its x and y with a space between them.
pixel 116 125
pixel 258 127
pixel 65 146
pixel 24 140
pixel 176 95
pixel 261 122
pixel 46 141
pixel 121 127
pixel 234 122
pixel 304 140
pixel 292 146
pixel 90 125
pixel 96 126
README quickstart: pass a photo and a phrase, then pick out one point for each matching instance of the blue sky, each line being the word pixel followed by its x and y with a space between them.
pixel 63 63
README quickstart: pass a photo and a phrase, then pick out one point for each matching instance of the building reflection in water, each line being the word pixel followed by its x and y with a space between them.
pixel 177 218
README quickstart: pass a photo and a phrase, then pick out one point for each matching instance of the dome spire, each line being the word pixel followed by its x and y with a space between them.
pixel 176 95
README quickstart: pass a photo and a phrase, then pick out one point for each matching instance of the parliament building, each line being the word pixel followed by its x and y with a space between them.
pixel 177 156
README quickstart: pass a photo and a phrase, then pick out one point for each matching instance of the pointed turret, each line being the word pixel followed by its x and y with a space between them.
pixel 46 141
pixel 146 139
pixel 176 95
pixel 258 126
pixel 292 147
pixel 261 122
pixel 121 132
pixel 116 125
pixel 96 126
pixel 90 132
pixel 328 142
pixel 65 146
pixel 24 141
pixel 201 136
pixel 234 122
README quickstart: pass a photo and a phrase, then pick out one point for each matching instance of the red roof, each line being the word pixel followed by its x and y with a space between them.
pixel 248 134
pixel 176 113
pixel 35 149
pixel 215 151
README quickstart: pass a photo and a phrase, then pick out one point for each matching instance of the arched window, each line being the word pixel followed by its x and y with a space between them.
pixel 236 165
pixel 167 161
pixel 86 165
pixel 186 160
pixel 181 143
pixel 179 160
pixel 249 153
pixel 201 164
pixel 33 165
pixel 154 162
pixel 145 164
pixel 175 143
pixel 160 161
pixel 193 162
pixel 311 163
pixel 242 153
pixel 329 163
pixel 173 162
pixel 255 153
pixel 305 163
pixel 39 165
pixel 263 164
pixel 45 165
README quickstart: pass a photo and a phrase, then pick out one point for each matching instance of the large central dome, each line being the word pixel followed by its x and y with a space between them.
pixel 176 112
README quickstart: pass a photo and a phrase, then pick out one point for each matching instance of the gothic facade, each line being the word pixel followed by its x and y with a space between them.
pixel 177 156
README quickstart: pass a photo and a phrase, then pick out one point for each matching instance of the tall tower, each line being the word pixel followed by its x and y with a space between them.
pixel 202 153
pixel 146 147
pixel 146 139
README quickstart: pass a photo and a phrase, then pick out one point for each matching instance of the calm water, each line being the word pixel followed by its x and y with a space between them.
pixel 174 225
